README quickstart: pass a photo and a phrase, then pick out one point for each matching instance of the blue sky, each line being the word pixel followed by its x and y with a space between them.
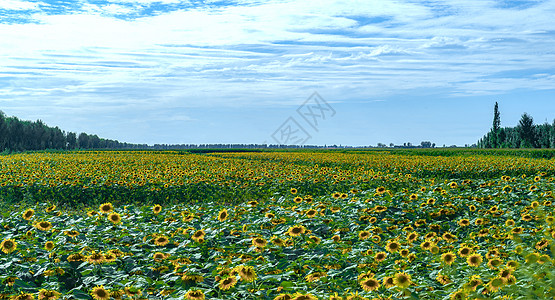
pixel 172 71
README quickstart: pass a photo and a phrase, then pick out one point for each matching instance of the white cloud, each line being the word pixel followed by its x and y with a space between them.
pixel 261 51
pixel 18 5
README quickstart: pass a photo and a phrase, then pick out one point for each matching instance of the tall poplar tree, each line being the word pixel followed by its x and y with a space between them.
pixel 496 126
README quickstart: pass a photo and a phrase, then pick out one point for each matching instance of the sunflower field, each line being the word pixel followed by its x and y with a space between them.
pixel 276 225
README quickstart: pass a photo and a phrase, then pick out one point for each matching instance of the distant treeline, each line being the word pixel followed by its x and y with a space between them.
pixel 524 135
pixel 19 135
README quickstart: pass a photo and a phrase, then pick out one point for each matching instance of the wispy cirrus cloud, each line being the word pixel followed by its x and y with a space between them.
pixel 147 54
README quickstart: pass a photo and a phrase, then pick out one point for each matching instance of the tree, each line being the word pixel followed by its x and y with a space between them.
pixel 496 118
pixel 496 126
pixel 71 139
pixel 526 131
pixel 426 144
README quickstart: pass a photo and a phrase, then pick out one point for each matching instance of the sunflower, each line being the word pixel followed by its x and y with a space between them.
pixel 543 259
pixel 28 214
pixel 474 260
pixel 380 190
pixel 198 235
pixel 380 256
pixel 510 223
pixel 465 251
pixel 311 213
pixel 51 208
pixel 542 244
pixel 296 230
pixel 388 282
pixel 43 225
pixel 474 282
pixel 404 252
pixel 443 279
pixel 293 191
pixel 464 222
pixel 370 284
pixel 23 296
pixel 364 234
pixel 99 293
pixel 448 258
pixel 314 276
pixel 426 245
pixel 259 242
pixel 115 218
pixel 161 240
pixel 76 257
pixel 336 238
pixel 222 215
pixel 505 273
pixel 413 197
pixel 49 245
pixel 133 291
pixel 314 239
pixel 96 258
pixel 494 263
pixel 512 264
pixel 286 297
pixel 393 246
pixel 532 258
pixel 48 295
pixel 159 256
pixel 246 273
pixel 495 284
pixel 106 208
pixel 517 230
pixel 453 185
pixel 227 283
pixel 336 195
pixel 299 296
pixel 507 189
pixel 402 280
pixel 8 246
pixel 71 233
pixel 156 209
pixel 298 200
pixel 278 241
pixel 117 294
pixel 458 295
pixel 411 237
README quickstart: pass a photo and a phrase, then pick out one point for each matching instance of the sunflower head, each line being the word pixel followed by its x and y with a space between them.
pixel 28 214
pixel 259 242
pixel 448 258
pixel 222 215
pixel 43 225
pixel 48 294
pixel 106 208
pixel 8 246
pixel 49 245
pixel 161 240
pixel 296 230
pixel 194 295
pixel 474 260
pixel 100 293
pixel 157 208
pixel 227 283
pixel 115 218
pixel 370 284
pixel 246 273
pixel 402 280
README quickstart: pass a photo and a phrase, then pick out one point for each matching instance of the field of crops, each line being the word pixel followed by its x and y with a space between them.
pixel 277 225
